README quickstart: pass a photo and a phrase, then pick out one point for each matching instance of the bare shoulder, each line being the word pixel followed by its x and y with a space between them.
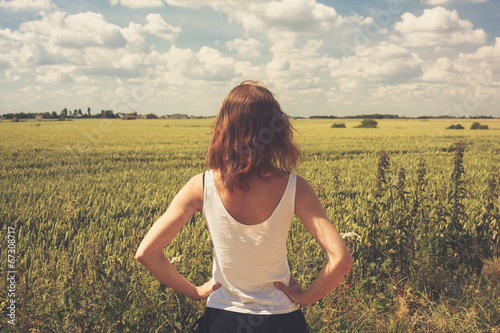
pixel 196 181
pixel 306 200
pixel 303 188
pixel 193 192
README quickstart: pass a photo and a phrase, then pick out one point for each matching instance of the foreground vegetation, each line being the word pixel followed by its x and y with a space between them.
pixel 418 206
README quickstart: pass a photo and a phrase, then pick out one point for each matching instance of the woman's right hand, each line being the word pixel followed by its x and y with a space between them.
pixel 205 290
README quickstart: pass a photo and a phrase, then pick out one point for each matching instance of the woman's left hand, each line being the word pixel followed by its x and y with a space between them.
pixel 294 291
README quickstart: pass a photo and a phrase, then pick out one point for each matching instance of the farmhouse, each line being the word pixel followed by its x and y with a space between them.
pixel 177 116
pixel 129 117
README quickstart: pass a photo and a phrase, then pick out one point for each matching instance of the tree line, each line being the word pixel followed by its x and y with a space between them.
pixel 395 116
pixel 64 113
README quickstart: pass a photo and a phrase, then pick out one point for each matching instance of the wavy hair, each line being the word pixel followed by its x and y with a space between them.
pixel 251 135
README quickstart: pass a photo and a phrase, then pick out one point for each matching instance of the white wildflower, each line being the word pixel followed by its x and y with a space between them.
pixel 175 260
pixel 351 235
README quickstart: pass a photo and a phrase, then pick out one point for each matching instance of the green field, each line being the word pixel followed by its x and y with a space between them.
pixel 82 194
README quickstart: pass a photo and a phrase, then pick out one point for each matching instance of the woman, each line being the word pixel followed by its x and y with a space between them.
pixel 248 200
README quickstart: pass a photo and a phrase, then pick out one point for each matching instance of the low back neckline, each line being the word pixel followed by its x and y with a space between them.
pixel 219 199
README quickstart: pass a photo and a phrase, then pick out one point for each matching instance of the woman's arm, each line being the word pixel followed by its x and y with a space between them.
pixel 188 201
pixel 310 212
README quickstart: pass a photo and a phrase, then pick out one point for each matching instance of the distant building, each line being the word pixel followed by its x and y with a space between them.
pixel 39 117
pixel 151 116
pixel 129 117
pixel 177 116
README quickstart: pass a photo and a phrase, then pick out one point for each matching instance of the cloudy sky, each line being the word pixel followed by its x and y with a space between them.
pixel 346 57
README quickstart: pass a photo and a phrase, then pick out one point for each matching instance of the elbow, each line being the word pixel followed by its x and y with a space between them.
pixel 347 262
pixel 344 263
pixel 139 255
pixel 145 256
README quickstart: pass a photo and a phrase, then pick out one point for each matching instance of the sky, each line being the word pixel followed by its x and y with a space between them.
pixel 346 57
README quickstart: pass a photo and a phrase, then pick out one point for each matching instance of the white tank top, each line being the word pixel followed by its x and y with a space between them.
pixel 248 259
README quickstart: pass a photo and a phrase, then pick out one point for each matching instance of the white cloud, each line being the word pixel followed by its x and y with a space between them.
pixel 293 63
pixel 491 53
pixel 27 5
pixel 443 2
pixel 483 65
pixel 438 26
pixel 469 81
pixel 157 26
pixel 190 3
pixel 268 17
pixel 208 64
pixel 31 89
pixel 385 63
pixel 291 30
pixel 434 2
pixel 85 90
pixel 136 39
pixel 299 16
pixel 86 41
pixel 444 70
pixel 73 31
pixel 249 48
pixel 54 76
pixel 135 4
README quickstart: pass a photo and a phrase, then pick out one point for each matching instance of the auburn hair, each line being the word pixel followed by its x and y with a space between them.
pixel 251 135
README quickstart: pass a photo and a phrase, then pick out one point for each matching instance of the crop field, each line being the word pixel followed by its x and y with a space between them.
pixel 417 204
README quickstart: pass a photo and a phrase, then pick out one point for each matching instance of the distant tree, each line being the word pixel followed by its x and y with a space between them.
pixel 368 123
pixel 88 111
pixel 80 114
pixel 480 117
pixel 457 126
pixel 53 115
pixel 477 125
pixel 107 114
pixel 20 115
pixel 338 125
pixel 323 117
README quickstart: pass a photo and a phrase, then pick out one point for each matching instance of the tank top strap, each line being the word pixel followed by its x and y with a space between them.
pixel 286 207
pixel 291 189
pixel 208 179
pixel 209 190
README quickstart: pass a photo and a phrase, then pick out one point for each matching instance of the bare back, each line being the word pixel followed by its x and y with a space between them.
pixel 255 205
